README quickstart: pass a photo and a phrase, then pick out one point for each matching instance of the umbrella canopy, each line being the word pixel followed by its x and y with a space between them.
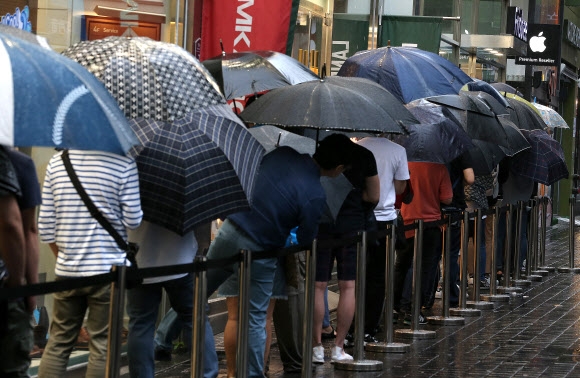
pixel 485 157
pixel 271 137
pixel 435 143
pixel 198 162
pixel 149 79
pixel 25 35
pixel 245 73
pixel 551 116
pixel 336 190
pixel 544 162
pixel 503 87
pixel 482 86
pixel 49 100
pixel 334 103
pixel 294 71
pixel 524 115
pixel 195 169
pixel 407 72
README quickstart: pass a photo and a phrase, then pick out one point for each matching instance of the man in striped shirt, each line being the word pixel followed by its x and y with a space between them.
pixel 84 248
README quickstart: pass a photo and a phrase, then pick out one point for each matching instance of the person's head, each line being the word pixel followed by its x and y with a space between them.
pixel 334 154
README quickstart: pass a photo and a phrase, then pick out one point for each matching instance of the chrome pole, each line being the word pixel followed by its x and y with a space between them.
pixel 116 311
pixel 308 310
pixel 199 303
pixel 243 314
pixel 477 234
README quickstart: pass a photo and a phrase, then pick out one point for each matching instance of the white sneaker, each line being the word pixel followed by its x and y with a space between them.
pixel 439 293
pixel 318 354
pixel 337 354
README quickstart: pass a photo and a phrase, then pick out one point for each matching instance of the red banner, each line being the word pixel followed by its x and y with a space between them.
pixel 244 25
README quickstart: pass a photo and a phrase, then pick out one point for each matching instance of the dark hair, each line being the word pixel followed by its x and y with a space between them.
pixel 334 150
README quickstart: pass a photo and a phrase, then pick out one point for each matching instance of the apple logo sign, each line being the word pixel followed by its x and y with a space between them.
pixel 537 43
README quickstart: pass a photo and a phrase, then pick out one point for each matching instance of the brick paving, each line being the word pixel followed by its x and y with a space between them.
pixel 535 334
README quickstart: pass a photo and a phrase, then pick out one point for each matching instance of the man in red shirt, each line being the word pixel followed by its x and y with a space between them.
pixel 432 187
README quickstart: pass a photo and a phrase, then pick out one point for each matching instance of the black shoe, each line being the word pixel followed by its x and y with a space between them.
pixel 409 316
pixel 370 339
pixel 349 340
pixel 162 354
pixel 329 335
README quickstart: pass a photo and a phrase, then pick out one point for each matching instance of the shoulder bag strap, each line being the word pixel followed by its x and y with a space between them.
pixel 89 203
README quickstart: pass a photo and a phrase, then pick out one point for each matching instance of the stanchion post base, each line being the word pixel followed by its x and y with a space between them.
pixel 465 312
pixel 359 365
pixel 388 347
pixel 533 278
pixel 522 283
pixel 418 334
pixel 509 289
pixel 550 269
pixel 540 272
pixel 446 320
pixel 480 305
pixel 495 297
pixel 568 270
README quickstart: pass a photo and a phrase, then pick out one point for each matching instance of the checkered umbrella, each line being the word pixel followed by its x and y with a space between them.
pixel 149 79
pixel 195 169
pixel 198 161
pixel 544 162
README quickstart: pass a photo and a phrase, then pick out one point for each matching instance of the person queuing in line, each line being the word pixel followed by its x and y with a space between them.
pixel 19 196
pixel 355 215
pixel 393 174
pixel 83 248
pixel 431 187
pixel 287 194
pixel 158 247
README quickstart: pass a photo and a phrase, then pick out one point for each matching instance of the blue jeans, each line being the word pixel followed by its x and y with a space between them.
pixel 228 242
pixel 168 330
pixel 142 308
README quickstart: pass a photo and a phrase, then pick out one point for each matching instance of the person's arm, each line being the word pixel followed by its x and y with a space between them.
pixel 310 216
pixel 130 198
pixel 372 192
pixel 54 249
pixel 400 186
pixel 468 176
pixel 12 242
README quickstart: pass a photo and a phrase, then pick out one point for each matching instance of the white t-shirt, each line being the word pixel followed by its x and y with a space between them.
pixel 160 247
pixel 391 165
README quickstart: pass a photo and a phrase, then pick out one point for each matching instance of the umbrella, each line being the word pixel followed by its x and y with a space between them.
pixel 336 190
pixel 334 103
pixel 244 74
pixel 524 114
pixel 49 100
pixel 544 162
pixel 485 156
pixel 149 79
pixel 195 169
pixel 503 87
pixel 482 86
pixel 198 162
pixel 435 143
pixel 271 137
pixel 25 35
pixel 294 71
pixel 551 117
pixel 407 72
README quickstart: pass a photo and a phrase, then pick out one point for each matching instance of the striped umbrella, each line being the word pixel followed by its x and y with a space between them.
pixel 49 100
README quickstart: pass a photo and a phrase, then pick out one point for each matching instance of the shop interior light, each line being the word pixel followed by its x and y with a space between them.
pixel 130 15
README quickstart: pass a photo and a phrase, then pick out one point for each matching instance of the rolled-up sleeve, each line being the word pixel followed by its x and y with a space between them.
pixel 47 214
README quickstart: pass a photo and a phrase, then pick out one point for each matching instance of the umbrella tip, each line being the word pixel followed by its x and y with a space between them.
pixel 389 43
pixel 222 47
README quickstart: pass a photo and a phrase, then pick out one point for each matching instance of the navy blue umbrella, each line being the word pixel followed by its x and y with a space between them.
pixel 407 72
pixel 49 100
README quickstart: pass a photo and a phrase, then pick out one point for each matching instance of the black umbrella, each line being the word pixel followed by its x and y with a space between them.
pixel 482 86
pixel 524 116
pixel 333 103
pixel 253 72
pixel 485 156
pixel 503 87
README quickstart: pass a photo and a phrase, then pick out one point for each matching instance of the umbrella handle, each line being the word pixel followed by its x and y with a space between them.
pixel 278 141
pixel 222 47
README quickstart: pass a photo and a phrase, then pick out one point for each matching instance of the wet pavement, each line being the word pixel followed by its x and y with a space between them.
pixel 535 334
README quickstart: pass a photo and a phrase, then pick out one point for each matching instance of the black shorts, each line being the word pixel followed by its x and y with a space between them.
pixel 345 260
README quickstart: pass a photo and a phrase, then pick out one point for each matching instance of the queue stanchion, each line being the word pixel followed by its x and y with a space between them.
pixel 507 260
pixel 571 246
pixel 199 303
pixel 389 346
pixel 462 310
pixel 308 310
pixel 116 312
pixel 359 363
pixel 536 236
pixel 477 233
pixel 493 296
pixel 531 238
pixel 518 280
pixel 543 235
pixel 414 332
pixel 445 318
pixel 243 314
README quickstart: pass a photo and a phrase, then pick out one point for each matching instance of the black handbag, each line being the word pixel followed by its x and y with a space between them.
pixel 130 249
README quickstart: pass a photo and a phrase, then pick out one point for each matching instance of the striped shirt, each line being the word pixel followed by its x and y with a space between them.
pixel 85 248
